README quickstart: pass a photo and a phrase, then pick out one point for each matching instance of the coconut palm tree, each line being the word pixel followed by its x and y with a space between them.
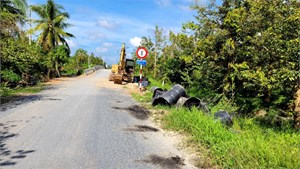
pixel 51 25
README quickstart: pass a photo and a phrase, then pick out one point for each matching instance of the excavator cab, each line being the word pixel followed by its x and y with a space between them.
pixel 129 66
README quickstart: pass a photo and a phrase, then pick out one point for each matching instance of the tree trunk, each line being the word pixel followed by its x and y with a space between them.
pixel 48 74
pixel 57 70
pixel 154 74
pixel 297 110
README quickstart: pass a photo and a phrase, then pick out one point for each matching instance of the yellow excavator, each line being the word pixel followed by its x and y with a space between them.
pixel 124 70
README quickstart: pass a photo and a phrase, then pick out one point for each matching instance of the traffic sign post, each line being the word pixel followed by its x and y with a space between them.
pixel 141 62
pixel 141 53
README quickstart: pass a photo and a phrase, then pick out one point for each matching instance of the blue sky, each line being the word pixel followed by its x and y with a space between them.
pixel 101 26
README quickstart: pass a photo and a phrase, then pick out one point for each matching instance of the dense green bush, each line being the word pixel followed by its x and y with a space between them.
pixel 10 77
pixel 246 51
pixel 21 64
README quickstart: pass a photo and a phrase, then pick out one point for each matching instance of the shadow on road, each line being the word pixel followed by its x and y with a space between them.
pixel 137 111
pixel 142 128
pixel 165 162
pixel 9 157
pixel 12 102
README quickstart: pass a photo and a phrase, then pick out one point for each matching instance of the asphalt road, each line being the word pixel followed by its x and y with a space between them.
pixel 80 124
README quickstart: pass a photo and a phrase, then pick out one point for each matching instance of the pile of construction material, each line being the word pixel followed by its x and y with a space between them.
pixel 177 96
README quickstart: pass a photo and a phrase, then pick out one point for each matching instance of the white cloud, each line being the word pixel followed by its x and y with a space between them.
pixel 96 35
pixel 106 24
pixel 102 49
pixel 163 3
pixel 184 7
pixel 136 41
pixel 107 44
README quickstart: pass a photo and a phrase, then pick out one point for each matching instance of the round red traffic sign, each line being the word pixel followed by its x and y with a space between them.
pixel 141 52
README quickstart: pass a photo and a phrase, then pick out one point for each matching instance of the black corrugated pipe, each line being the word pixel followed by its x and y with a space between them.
pixel 171 96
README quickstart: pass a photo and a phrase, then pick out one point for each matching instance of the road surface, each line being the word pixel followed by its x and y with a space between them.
pixel 82 123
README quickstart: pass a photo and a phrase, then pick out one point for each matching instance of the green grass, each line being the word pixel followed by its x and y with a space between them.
pixel 145 98
pixel 68 72
pixel 245 146
pixel 157 83
pixel 22 90
pixel 30 89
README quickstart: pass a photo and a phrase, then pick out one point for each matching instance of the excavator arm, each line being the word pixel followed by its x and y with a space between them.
pixel 122 57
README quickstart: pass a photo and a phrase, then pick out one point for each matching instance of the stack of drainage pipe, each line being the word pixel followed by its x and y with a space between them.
pixel 169 97
pixel 176 95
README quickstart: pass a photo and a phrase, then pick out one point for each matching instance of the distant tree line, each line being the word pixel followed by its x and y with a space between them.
pixel 25 61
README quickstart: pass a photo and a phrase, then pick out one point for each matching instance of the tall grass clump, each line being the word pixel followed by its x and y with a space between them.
pixel 246 145
pixel 159 83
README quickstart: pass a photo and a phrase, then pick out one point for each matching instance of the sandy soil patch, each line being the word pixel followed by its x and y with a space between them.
pixel 129 88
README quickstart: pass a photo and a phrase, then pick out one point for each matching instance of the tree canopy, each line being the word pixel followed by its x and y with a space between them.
pixel 246 51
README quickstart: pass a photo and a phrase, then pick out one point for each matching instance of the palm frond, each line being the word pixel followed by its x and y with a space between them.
pixel 21 5
pixel 58 19
pixel 64 42
pixel 66 14
pixel 39 10
pixel 71 35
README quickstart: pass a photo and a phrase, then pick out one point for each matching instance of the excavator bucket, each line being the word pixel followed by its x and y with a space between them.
pixel 118 78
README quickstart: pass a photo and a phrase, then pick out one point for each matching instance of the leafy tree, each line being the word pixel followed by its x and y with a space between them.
pixel 14 6
pixel 81 59
pixel 148 44
pixel 57 58
pixel 159 40
pixel 154 47
pixel 12 12
pixel 245 49
pixel 21 64
pixel 94 60
pixel 248 51
pixel 8 25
